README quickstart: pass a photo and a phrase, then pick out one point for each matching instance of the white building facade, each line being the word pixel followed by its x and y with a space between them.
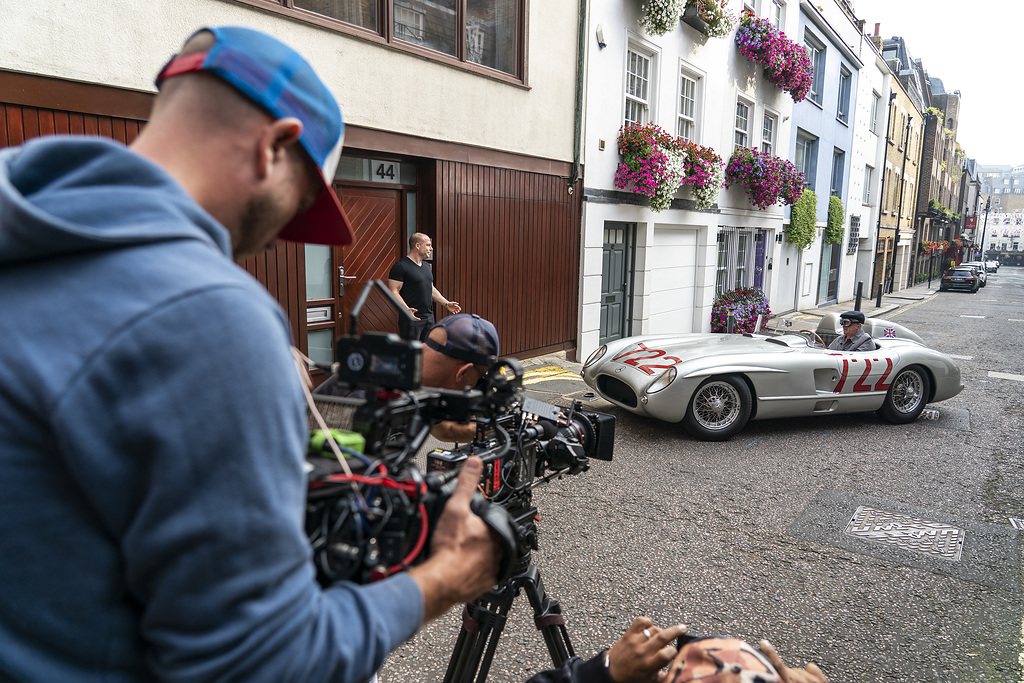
pixel 648 272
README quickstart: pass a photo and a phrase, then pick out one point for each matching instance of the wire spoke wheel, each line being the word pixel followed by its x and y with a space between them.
pixel 717 405
pixel 718 409
pixel 907 396
pixel 907 392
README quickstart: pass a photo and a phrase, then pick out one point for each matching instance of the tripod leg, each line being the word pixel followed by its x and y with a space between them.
pixel 547 615
pixel 482 623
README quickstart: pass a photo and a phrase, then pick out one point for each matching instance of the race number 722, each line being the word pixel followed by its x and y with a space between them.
pixel 638 360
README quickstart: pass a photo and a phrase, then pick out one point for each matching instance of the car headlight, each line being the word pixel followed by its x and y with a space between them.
pixel 664 379
pixel 596 356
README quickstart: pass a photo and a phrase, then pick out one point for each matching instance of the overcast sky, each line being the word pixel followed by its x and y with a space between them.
pixel 973 46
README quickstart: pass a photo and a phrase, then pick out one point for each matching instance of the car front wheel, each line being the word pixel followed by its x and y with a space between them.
pixel 718 409
pixel 907 396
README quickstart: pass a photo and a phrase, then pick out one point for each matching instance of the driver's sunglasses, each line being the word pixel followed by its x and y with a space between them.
pixel 847 323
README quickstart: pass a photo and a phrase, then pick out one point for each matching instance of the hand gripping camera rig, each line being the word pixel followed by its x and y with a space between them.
pixel 370 513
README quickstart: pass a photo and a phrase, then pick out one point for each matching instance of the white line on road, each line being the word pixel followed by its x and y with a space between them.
pixel 980 317
pixel 1004 375
pixel 953 355
pixel 1014 320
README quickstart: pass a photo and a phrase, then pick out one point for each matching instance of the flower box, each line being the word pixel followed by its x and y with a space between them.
pixel 766 179
pixel 691 17
pixel 656 164
pixel 785 63
pixel 743 306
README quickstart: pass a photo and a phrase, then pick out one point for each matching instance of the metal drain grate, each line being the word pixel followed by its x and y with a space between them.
pixel 911 533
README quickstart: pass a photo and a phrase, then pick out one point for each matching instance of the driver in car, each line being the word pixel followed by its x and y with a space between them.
pixel 853 338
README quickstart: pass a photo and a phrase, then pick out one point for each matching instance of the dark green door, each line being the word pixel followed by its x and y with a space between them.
pixel 616 279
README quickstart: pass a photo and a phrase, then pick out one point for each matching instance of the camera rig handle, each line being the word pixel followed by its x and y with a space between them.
pixel 500 522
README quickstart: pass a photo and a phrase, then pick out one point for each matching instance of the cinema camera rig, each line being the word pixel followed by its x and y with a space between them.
pixel 370 513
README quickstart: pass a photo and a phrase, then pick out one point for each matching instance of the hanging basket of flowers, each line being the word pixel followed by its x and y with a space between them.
pixel 710 17
pixel 785 63
pixel 658 17
pixel 766 179
pixel 743 305
pixel 656 164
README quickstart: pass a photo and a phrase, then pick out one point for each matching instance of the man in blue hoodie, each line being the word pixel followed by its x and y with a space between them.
pixel 152 424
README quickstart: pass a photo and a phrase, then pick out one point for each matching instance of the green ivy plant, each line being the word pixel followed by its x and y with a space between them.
pixel 834 227
pixel 800 230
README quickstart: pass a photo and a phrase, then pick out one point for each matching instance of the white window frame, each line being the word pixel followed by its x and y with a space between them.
pixel 769 137
pixel 843 103
pixel 837 178
pixel 816 51
pixel 737 131
pixel 777 14
pixel 731 272
pixel 722 262
pixel 696 78
pixel 869 178
pixel 641 103
pixel 876 107
pixel 808 145
pixel 751 5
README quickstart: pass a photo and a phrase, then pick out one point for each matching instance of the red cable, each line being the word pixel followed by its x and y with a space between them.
pixel 420 542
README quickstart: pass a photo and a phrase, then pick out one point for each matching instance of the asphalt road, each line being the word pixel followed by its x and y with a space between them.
pixel 748 537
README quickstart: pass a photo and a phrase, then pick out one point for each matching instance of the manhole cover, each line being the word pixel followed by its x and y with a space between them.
pixel 911 533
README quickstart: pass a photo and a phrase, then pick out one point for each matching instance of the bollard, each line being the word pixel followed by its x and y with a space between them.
pixel 730 322
pixel 860 293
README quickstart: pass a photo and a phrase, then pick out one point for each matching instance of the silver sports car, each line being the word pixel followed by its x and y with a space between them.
pixel 714 383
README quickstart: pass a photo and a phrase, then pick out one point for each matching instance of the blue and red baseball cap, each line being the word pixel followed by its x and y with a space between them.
pixel 281 81
pixel 468 337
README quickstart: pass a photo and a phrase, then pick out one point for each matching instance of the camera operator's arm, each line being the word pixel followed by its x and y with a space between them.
pixel 464 558
pixel 460 432
pixel 637 657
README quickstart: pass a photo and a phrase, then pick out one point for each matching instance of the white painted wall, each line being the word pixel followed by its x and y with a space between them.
pixel 124 43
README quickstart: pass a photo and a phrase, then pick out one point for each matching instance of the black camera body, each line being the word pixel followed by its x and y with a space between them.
pixel 378 359
pixel 370 514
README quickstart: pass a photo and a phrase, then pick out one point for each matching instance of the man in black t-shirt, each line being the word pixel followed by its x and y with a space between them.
pixel 412 281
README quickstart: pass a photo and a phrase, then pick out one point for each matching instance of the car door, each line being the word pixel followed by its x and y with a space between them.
pixel 864 378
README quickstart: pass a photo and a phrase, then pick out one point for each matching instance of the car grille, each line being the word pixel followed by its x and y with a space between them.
pixel 617 390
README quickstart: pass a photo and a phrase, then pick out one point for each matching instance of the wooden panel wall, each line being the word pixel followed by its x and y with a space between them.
pixel 19 123
pixel 282 270
pixel 508 248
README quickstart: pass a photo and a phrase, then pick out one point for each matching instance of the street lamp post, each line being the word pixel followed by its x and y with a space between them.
pixel 988 205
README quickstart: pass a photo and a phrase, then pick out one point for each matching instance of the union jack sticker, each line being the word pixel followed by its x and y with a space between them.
pixel 890 333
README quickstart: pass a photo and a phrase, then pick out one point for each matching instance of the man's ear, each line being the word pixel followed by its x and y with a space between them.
pixel 276 138
pixel 460 374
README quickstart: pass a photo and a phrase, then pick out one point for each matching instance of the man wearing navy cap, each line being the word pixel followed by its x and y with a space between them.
pixel 853 338
pixel 152 489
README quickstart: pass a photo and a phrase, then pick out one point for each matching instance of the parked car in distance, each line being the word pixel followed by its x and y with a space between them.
pixel 960 278
pixel 992 266
pixel 980 268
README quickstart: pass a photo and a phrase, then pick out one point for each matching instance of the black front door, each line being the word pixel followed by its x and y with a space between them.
pixel 616 285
